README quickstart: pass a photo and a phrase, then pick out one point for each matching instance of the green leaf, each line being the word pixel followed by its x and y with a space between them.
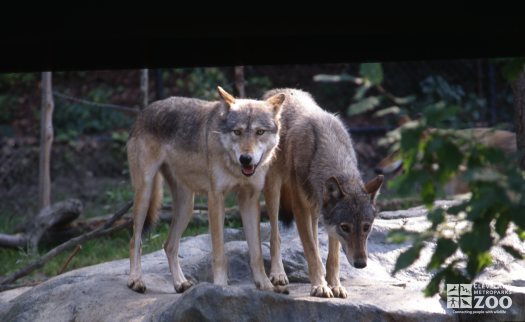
pixel 433 286
pixel 428 193
pixel 521 233
pixel 372 72
pixel 454 276
pixel 337 78
pixel 501 225
pixel 363 105
pixel 386 111
pixel 404 100
pixel 477 240
pixel 477 262
pixel 361 90
pixel 450 157
pixel 444 249
pixel 518 215
pixel 454 210
pixel 439 112
pixel 436 216
pixel 410 138
pixel 513 251
pixel 408 257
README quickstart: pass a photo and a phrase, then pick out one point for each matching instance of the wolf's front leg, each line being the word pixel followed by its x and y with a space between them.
pixel 303 217
pixel 216 219
pixel 182 211
pixel 272 194
pixel 332 268
pixel 249 208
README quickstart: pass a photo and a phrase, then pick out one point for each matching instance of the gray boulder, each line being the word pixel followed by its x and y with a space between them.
pixel 99 293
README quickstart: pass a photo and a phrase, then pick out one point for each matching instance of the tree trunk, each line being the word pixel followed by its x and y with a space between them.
pixel 239 81
pixel 143 88
pixel 159 84
pixel 518 88
pixel 46 140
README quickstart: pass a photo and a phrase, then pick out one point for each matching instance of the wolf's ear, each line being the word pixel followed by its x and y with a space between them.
pixel 276 102
pixel 332 192
pixel 373 186
pixel 227 97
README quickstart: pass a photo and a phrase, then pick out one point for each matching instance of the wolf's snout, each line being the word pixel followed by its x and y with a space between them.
pixel 245 160
pixel 248 169
pixel 360 263
pixel 378 170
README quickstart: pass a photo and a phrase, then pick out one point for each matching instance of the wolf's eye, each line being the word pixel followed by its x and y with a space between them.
pixel 366 228
pixel 345 228
pixel 259 132
pixel 237 132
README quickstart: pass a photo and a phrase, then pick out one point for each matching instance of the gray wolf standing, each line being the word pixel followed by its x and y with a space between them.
pixel 315 175
pixel 202 147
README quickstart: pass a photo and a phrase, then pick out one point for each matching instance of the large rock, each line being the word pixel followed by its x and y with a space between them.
pixel 99 293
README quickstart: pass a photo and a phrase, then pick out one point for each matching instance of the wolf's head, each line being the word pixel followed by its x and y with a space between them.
pixel 348 213
pixel 250 130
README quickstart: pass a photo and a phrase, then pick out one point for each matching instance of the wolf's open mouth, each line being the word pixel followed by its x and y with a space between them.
pixel 249 170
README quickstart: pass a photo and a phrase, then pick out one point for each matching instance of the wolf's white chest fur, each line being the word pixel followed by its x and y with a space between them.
pixel 192 170
pixel 225 181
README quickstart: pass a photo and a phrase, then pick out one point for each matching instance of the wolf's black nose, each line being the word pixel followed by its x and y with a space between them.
pixel 359 263
pixel 245 159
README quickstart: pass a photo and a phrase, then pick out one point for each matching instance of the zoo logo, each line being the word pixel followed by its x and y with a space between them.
pixel 460 296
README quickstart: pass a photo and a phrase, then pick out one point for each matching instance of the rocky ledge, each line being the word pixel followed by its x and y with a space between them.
pixel 99 293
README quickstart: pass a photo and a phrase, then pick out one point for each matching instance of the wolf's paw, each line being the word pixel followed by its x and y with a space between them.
pixel 268 286
pixel 264 285
pixel 181 287
pixel 339 291
pixel 281 289
pixel 137 284
pixel 279 279
pixel 321 291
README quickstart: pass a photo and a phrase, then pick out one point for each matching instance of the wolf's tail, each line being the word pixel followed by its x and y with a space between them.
pixel 154 203
pixel 285 206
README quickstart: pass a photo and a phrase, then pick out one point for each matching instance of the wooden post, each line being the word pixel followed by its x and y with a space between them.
pixel 143 88
pixel 239 81
pixel 46 140
pixel 518 89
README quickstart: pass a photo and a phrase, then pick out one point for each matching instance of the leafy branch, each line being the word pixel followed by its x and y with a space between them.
pixel 433 157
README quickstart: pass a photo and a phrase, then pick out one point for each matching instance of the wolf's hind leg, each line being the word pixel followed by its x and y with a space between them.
pixel 272 194
pixel 142 194
pixel 332 268
pixel 182 210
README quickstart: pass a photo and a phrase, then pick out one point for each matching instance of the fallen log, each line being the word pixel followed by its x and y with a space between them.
pixel 13 241
pixel 55 215
pixel 107 229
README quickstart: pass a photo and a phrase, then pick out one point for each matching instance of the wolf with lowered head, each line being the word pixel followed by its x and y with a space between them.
pixel 315 175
